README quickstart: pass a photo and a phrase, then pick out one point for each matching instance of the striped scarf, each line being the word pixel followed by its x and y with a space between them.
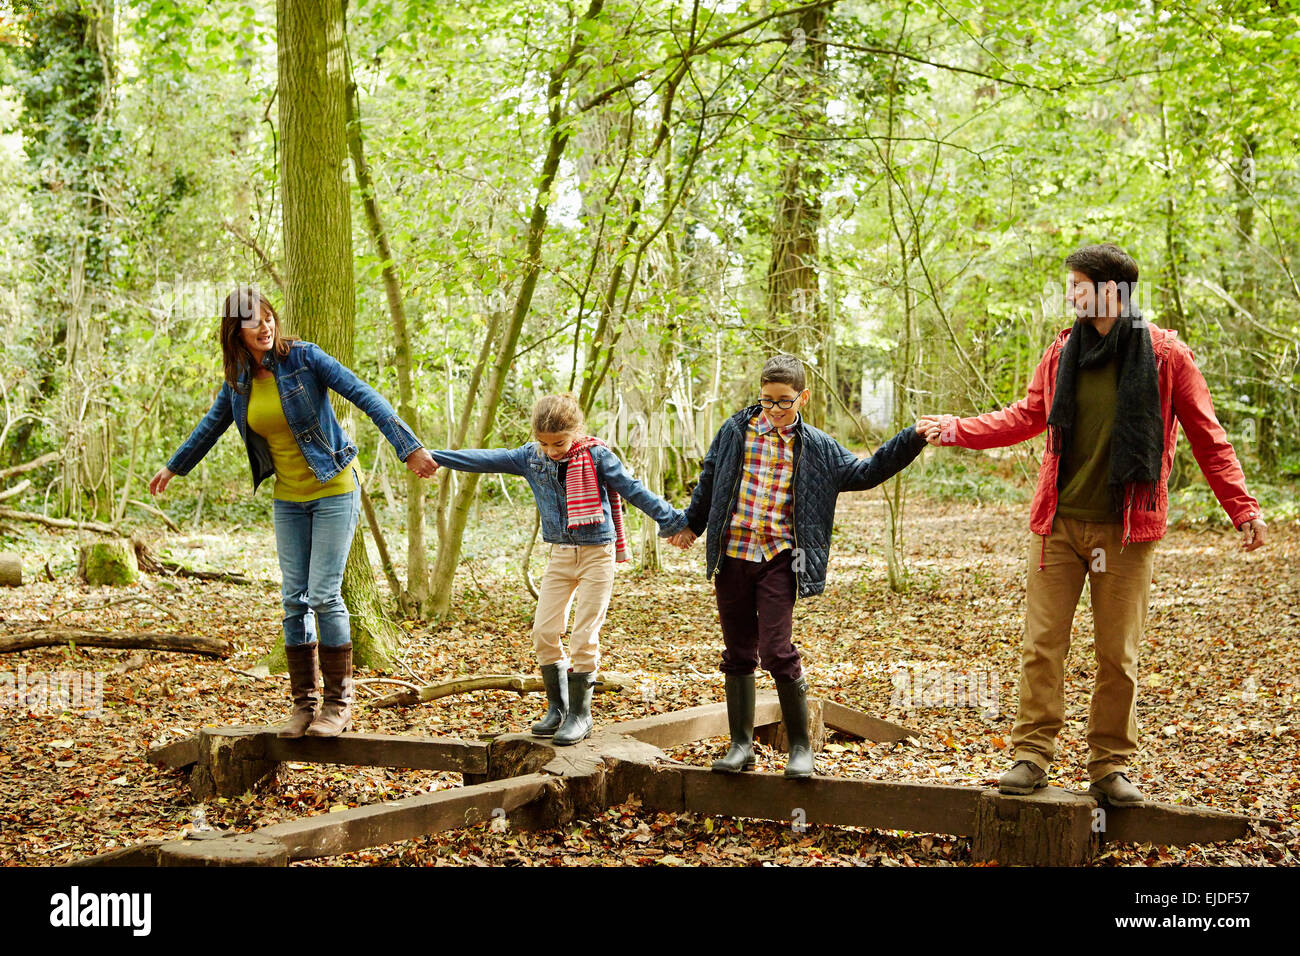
pixel 583 491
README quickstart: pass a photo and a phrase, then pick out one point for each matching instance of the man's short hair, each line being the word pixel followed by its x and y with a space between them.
pixel 785 370
pixel 1106 262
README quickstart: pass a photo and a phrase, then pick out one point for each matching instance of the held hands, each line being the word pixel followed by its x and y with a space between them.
pixel 683 539
pixel 931 427
pixel 422 463
pixel 159 481
pixel 1252 534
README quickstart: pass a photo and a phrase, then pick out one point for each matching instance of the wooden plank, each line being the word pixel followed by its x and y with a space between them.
pixel 1172 825
pixel 917 807
pixel 695 723
pixel 177 754
pixel 856 723
pixel 242 849
pixel 141 854
pixel 383 750
pixel 329 834
pixel 356 750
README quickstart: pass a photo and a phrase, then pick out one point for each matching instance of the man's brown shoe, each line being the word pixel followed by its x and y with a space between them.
pixel 1023 778
pixel 1117 790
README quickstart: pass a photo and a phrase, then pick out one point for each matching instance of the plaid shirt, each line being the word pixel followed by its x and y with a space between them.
pixel 761 525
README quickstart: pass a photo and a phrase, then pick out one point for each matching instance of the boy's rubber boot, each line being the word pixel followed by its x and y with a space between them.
pixel 336 712
pixel 304 674
pixel 740 720
pixel 577 722
pixel 793 695
pixel 557 700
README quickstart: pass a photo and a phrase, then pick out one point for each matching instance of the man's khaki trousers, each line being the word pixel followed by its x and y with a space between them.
pixel 1120 583
pixel 581 575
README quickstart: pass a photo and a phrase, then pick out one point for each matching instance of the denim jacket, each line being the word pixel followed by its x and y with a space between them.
pixel 303 379
pixel 543 477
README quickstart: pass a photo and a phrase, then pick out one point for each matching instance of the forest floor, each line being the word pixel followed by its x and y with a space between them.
pixel 1217 704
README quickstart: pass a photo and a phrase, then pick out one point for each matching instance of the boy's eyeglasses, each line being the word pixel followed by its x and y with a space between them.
pixel 781 403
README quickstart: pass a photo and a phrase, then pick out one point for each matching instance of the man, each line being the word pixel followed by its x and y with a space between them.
pixel 1111 392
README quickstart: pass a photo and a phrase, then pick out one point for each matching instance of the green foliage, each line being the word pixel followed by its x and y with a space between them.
pixel 958 153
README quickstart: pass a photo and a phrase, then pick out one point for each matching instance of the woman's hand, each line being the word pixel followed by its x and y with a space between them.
pixel 422 463
pixel 159 481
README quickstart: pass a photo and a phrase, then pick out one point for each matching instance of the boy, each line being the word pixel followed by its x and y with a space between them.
pixel 766 494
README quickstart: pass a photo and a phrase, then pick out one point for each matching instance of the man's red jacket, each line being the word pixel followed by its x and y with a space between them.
pixel 1184 398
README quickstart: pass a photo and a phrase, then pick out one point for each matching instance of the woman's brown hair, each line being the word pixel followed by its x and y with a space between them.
pixel 245 303
pixel 554 414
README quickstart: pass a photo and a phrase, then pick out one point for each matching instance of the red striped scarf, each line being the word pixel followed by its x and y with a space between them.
pixel 583 491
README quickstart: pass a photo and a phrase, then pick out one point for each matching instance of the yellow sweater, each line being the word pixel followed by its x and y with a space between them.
pixel 294 480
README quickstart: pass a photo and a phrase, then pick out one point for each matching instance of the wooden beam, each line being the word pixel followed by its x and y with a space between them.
pixel 383 750
pixel 695 723
pixel 1172 825
pixel 177 753
pixel 329 834
pixel 356 750
pixel 857 724
pixel 917 807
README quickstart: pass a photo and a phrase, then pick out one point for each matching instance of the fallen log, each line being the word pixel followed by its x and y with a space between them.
pixel 29 465
pixel 16 490
pixel 520 684
pixel 119 640
pixel 152 564
pixel 157 512
pixel 57 522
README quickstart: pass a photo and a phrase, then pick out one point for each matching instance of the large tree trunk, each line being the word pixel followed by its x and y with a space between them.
pixel 320 300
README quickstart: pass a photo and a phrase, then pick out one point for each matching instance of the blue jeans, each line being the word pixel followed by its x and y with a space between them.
pixel 313 539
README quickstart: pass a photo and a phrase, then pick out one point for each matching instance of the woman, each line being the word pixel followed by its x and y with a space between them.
pixel 276 391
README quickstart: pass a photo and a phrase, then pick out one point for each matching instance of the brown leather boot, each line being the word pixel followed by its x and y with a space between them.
pixel 336 712
pixel 304 674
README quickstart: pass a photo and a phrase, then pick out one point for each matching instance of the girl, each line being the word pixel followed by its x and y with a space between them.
pixel 276 391
pixel 576 481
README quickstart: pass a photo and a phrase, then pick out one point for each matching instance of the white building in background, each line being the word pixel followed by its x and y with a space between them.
pixel 877 399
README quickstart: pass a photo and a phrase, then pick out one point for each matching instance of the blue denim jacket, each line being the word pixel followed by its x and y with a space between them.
pixel 543 477
pixel 303 379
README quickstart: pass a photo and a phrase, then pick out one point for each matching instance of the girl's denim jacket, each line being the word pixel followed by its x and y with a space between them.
pixel 303 378
pixel 552 500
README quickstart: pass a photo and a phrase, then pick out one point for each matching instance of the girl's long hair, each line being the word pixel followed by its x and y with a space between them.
pixel 245 303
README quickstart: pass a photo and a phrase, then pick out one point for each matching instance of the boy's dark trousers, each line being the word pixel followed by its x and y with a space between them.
pixel 756 608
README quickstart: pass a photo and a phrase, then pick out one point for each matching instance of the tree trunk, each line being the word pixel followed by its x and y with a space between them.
pixel 320 300
pixel 110 563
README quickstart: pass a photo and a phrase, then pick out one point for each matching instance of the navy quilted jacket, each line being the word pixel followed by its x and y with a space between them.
pixel 822 469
